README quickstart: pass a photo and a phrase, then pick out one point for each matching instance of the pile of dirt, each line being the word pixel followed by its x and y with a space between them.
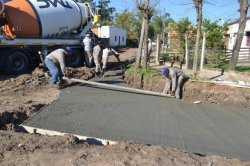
pixel 22 96
pixel 217 94
pixel 32 149
pixel 83 73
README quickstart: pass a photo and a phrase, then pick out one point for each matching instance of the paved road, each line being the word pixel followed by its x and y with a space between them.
pixel 118 115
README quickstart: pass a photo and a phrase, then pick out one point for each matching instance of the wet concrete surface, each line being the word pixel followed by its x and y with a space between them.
pixel 126 116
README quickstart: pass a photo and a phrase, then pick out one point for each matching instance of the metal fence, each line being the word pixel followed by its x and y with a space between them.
pixel 216 57
pixel 244 55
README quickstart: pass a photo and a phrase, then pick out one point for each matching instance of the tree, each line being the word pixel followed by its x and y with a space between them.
pixel 242 24
pixel 106 12
pixel 159 24
pixel 130 22
pixel 198 6
pixel 215 33
pixel 147 11
pixel 182 27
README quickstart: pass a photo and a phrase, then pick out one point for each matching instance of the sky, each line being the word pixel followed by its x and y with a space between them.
pixel 178 9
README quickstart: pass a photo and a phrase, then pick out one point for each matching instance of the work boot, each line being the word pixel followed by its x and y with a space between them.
pixel 97 74
pixel 102 72
pixel 55 86
pixel 177 95
pixel 123 68
pixel 62 82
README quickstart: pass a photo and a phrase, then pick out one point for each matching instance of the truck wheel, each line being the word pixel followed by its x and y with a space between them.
pixel 75 59
pixel 16 63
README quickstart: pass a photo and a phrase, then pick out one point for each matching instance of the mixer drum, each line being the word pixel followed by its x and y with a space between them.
pixel 43 18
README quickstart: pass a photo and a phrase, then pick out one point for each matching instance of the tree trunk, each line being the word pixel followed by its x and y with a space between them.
pixel 242 24
pixel 146 58
pixel 198 6
pixel 186 51
pixel 139 53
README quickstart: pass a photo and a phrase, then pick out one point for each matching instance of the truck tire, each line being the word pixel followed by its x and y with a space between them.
pixel 16 62
pixel 75 59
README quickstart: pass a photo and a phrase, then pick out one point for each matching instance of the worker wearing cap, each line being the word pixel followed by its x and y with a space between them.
pixel 175 77
pixel 55 62
pixel 87 42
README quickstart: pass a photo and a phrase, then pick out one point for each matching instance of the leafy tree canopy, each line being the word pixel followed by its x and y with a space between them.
pixel 215 33
pixel 106 12
pixel 183 26
pixel 130 22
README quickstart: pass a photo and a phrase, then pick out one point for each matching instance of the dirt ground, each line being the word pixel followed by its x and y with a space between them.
pixel 22 96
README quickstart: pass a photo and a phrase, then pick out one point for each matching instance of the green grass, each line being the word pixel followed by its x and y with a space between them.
pixel 243 68
pixel 146 73
pixel 225 67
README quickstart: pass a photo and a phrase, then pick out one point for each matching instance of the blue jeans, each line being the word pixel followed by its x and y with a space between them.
pixel 56 73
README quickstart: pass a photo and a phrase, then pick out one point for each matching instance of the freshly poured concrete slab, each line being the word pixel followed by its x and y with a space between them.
pixel 117 115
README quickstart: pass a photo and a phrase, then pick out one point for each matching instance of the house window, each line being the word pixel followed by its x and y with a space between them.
pixel 123 38
pixel 115 38
pixel 248 38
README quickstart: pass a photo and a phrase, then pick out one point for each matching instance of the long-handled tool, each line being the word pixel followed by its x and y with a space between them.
pixel 118 87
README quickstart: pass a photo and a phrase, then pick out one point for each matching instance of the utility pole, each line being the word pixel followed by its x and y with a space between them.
pixel 157 50
pixel 203 51
pixel 186 50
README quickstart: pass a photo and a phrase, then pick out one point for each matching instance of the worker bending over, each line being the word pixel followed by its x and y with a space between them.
pixel 175 79
pixel 105 56
pixel 55 62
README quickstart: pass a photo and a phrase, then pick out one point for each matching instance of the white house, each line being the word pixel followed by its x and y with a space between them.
pixel 232 34
pixel 114 36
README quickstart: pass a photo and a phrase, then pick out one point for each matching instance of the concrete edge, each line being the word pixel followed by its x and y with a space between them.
pixel 57 98
pixel 92 140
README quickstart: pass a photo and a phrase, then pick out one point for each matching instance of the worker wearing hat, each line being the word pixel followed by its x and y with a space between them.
pixel 55 62
pixel 175 77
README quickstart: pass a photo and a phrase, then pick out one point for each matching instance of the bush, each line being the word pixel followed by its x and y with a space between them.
pixel 165 57
pixel 217 60
pixel 132 43
pixel 145 72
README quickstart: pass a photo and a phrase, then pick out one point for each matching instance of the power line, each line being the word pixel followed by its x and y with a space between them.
pixel 188 10
pixel 181 4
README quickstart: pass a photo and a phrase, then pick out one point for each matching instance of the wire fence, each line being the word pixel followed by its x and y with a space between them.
pixel 213 57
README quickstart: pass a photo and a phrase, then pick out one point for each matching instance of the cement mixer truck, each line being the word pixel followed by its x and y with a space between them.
pixel 30 29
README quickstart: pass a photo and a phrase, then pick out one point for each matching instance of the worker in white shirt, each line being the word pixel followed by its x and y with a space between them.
pixel 87 42
pixel 105 56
